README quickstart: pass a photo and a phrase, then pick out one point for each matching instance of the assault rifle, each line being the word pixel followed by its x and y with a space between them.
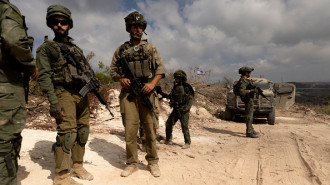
pixel 91 83
pixel 175 105
pixel 261 92
pixel 136 85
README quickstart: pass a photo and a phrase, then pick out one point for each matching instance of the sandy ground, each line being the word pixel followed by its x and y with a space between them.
pixel 294 151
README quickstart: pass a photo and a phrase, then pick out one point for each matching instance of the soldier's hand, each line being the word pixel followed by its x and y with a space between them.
pixel 56 111
pixel 147 88
pixel 125 83
pixel 35 75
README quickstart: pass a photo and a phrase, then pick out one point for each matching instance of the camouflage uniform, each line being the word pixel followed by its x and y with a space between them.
pixel 247 90
pixel 134 112
pixel 15 58
pixel 182 97
pixel 59 80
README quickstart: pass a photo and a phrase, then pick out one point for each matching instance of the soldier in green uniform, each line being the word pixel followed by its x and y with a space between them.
pixel 247 90
pixel 181 99
pixel 148 67
pixel 15 60
pixel 61 81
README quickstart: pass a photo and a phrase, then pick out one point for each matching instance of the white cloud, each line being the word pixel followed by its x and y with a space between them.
pixel 285 40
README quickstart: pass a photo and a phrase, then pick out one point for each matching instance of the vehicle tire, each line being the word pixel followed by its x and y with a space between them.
pixel 271 118
pixel 228 115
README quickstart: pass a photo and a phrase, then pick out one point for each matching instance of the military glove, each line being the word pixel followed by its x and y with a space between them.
pixel 56 111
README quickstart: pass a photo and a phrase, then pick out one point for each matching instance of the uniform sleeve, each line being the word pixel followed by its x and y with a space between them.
pixel 45 73
pixel 191 96
pixel 14 38
pixel 243 87
pixel 158 61
pixel 114 66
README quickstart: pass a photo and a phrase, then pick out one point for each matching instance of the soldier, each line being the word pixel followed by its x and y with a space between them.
pixel 147 65
pixel 247 90
pixel 181 99
pixel 16 60
pixel 60 80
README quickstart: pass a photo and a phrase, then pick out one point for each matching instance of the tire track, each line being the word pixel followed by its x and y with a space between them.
pixel 307 160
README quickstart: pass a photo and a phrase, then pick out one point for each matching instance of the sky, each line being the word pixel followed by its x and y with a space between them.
pixel 283 40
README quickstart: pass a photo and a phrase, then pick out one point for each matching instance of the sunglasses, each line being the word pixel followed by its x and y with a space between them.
pixel 62 22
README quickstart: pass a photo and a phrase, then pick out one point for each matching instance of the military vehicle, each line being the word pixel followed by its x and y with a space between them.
pixel 280 96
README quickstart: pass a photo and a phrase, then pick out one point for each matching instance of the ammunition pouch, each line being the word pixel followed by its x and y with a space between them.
pixel 139 59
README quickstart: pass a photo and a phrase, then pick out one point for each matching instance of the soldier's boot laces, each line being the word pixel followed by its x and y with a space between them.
pixel 129 170
pixel 154 170
pixel 79 171
pixel 186 146
pixel 63 178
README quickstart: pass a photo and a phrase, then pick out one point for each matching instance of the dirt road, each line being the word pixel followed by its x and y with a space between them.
pixel 294 151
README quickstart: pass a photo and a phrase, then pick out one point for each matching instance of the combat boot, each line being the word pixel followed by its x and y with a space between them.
pixel 169 142
pixel 186 146
pixel 154 170
pixel 63 178
pixel 129 170
pixel 255 132
pixel 251 135
pixel 79 171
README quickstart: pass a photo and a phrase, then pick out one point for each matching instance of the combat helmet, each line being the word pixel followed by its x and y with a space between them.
pixel 59 10
pixel 181 74
pixel 244 69
pixel 135 18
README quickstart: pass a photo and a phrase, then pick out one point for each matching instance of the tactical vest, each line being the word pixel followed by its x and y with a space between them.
pixel 250 86
pixel 64 72
pixel 139 59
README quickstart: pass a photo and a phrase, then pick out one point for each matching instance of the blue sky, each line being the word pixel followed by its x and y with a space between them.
pixel 284 40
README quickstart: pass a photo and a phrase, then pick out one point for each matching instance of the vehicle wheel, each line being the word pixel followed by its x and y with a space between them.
pixel 271 118
pixel 228 115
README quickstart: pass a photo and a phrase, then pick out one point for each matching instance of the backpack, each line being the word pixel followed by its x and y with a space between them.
pixel 236 88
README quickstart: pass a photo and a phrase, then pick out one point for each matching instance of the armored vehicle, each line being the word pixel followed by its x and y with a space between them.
pixel 279 96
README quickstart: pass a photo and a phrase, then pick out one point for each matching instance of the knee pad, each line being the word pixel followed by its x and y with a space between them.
pixel 68 140
pixel 83 134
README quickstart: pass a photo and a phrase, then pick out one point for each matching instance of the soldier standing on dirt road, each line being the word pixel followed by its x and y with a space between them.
pixel 147 65
pixel 181 99
pixel 15 60
pixel 247 90
pixel 60 80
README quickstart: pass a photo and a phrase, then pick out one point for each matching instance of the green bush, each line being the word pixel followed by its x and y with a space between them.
pixel 104 78
pixel 323 109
